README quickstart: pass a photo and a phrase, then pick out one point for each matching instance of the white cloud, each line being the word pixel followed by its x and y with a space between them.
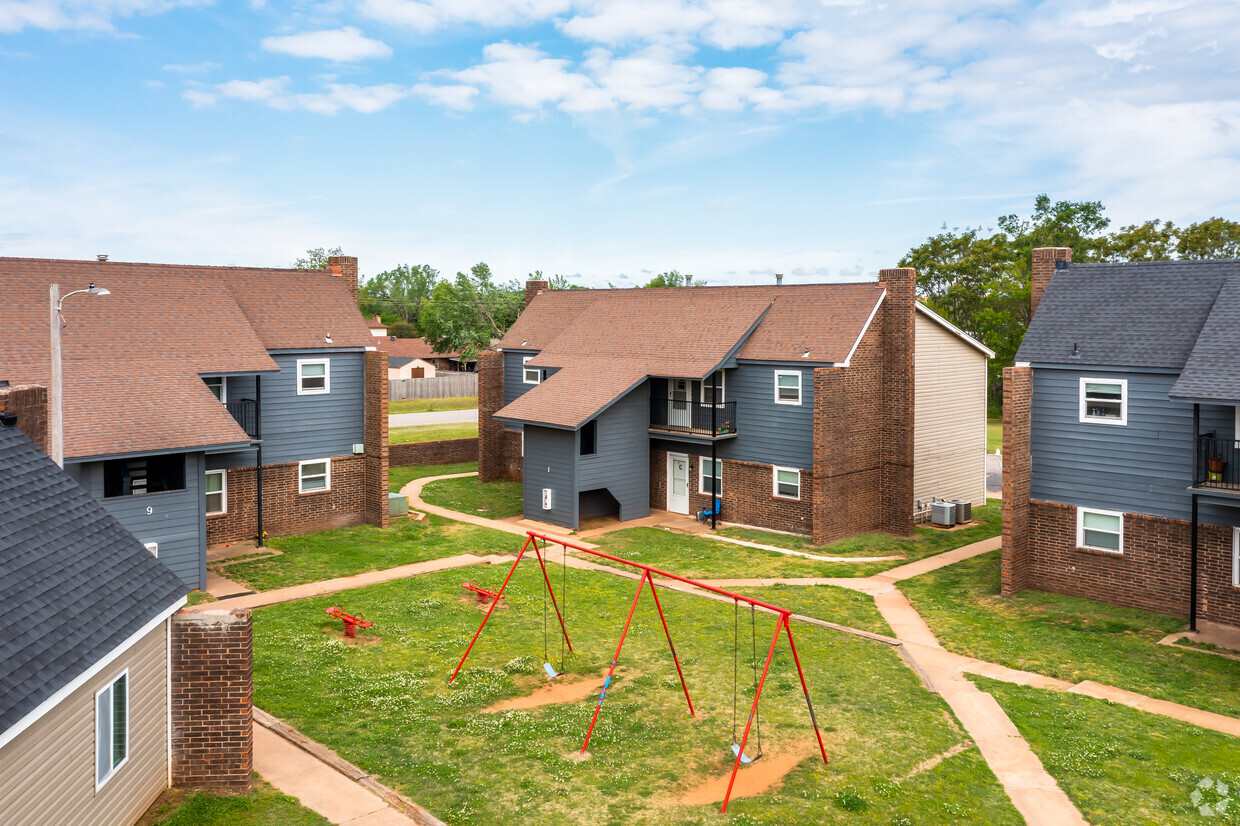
pixel 274 92
pixel 342 45
pixel 191 69
pixel 428 15
pixel 525 77
pixel 451 97
pixel 96 15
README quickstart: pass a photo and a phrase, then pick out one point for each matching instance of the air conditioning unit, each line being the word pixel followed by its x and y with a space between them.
pixel 964 511
pixel 943 514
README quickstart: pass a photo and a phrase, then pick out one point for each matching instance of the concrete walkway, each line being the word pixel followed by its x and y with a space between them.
pixel 439 417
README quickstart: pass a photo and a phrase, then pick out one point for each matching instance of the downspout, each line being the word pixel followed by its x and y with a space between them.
pixel 1192 558
pixel 258 434
pixel 714 448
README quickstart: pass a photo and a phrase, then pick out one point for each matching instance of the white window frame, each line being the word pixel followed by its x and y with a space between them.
pixel 327 475
pixel 223 491
pixel 327 377
pixel 525 372
pixel 1235 557
pixel 223 386
pixel 800 394
pixel 1236 431
pixel 108 689
pixel 1123 402
pixel 775 482
pixel 1080 530
pixel 705 385
pixel 703 461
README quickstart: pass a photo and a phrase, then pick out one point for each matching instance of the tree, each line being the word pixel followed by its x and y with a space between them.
pixel 1215 238
pixel 401 291
pixel 316 259
pixel 671 278
pixel 464 314
pixel 1151 241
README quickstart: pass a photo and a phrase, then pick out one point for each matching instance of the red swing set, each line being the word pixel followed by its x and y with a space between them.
pixel 647 576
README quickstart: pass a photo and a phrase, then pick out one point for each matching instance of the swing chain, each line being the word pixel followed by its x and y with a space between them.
pixel 753 643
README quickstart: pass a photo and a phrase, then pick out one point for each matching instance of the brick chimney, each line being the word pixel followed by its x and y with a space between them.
pixel 1045 261
pixel 25 406
pixel 345 266
pixel 534 287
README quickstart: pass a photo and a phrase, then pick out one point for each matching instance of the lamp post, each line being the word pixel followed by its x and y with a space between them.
pixel 57 407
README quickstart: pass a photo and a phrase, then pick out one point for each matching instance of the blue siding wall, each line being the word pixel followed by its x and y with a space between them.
pixel 1143 467
pixel 550 462
pixel 296 427
pixel 514 387
pixel 177 520
pixel 622 461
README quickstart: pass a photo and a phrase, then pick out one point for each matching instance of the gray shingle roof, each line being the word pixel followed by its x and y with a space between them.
pixel 74 584
pixel 1145 314
pixel 1211 369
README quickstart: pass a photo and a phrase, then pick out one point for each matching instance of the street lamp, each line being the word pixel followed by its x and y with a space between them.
pixel 57 411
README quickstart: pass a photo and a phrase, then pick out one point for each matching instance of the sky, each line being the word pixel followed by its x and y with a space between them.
pixel 605 140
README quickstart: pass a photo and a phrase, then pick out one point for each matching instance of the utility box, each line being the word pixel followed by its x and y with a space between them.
pixel 964 511
pixel 546 499
pixel 943 514
pixel 398 505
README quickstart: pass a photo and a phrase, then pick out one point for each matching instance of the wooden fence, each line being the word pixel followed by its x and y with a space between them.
pixel 442 386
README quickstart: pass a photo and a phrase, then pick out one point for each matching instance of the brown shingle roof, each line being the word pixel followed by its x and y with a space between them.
pixel 132 359
pixel 414 348
pixel 611 339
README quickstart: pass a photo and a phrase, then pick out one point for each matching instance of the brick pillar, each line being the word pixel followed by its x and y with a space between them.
pixel 896 480
pixel 533 288
pixel 375 508
pixel 212 699
pixel 1017 464
pixel 831 513
pixel 1045 261
pixel 491 442
pixel 27 404
pixel 345 266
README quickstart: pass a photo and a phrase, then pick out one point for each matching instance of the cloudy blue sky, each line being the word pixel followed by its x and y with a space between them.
pixel 604 139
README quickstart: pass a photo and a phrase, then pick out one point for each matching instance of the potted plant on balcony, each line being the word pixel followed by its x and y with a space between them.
pixel 1214 468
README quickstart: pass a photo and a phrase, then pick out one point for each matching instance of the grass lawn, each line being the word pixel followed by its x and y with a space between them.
pixel 494 500
pixel 433 405
pixel 327 554
pixel 432 432
pixel 825 602
pixel 402 475
pixel 385 704
pixel 1122 766
pixel 1068 638
pixel 263 806
pixel 700 558
pixel 994 435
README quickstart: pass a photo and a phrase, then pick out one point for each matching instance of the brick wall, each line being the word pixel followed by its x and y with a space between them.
pixel 212 700
pixel 499 450
pixel 28 402
pixel 345 266
pixel 533 287
pixel 748 494
pixel 1044 261
pixel 375 459
pixel 896 477
pixel 285 511
pixel 1017 464
pixel 446 452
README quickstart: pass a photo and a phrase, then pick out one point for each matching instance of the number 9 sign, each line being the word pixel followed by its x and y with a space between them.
pixel 149 510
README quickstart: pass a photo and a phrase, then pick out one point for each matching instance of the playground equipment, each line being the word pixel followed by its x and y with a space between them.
pixel 483 593
pixel 351 623
pixel 647 576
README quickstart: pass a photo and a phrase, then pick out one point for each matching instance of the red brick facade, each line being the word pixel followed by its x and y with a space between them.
pixel 499 450
pixel 446 452
pixel 345 266
pixel 211 700
pixel 28 403
pixel 1017 464
pixel 375 481
pixel 748 496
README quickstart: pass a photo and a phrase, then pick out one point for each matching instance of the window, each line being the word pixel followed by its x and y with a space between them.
pixel 529 375
pixel 313 376
pixel 153 547
pixel 218 386
pixel 787 482
pixel 708 390
pixel 1104 401
pixel 589 438
pixel 314 475
pixel 145 474
pixel 217 492
pixel 710 484
pixel 111 728
pixel 787 387
pixel 1100 530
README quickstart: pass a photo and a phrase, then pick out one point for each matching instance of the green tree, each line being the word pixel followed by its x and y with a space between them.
pixel 401 291
pixel 1151 241
pixel 671 278
pixel 464 314
pixel 316 259
pixel 1215 238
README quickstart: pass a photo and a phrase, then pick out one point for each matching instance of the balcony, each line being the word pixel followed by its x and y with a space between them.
pixel 246 414
pixel 712 421
pixel 1218 463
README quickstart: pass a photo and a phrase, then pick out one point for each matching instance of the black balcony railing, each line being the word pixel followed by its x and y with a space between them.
pixel 691 417
pixel 1218 462
pixel 246 414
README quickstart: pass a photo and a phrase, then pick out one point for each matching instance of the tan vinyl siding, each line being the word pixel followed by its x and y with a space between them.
pixel 47 773
pixel 949 448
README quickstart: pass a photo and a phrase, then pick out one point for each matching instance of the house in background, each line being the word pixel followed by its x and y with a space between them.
pixel 1122 437
pixel 377 328
pixel 209 404
pixel 823 409
pixel 407 356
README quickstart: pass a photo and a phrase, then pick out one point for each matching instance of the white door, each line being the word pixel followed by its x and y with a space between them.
pixel 678 405
pixel 677 483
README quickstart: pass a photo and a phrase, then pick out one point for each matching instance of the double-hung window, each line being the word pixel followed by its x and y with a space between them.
pixel 1100 530
pixel 1104 401
pixel 111 728
pixel 529 375
pixel 787 482
pixel 787 387
pixel 218 386
pixel 710 483
pixel 708 389
pixel 314 475
pixel 313 376
pixel 217 491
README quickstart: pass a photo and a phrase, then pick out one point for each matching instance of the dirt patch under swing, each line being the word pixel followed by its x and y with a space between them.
pixel 752 780
pixel 560 690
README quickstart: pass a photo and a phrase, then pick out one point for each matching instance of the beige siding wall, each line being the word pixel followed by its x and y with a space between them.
pixel 47 773
pixel 404 371
pixel 949 448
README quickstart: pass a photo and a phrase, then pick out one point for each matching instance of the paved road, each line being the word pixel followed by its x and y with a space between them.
pixel 443 417
pixel 994 473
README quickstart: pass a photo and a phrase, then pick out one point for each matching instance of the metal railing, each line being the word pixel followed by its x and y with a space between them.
pixel 1218 462
pixel 246 414
pixel 678 416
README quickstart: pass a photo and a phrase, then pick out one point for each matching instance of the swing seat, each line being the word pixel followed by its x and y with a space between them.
pixel 745 758
pixel 550 670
